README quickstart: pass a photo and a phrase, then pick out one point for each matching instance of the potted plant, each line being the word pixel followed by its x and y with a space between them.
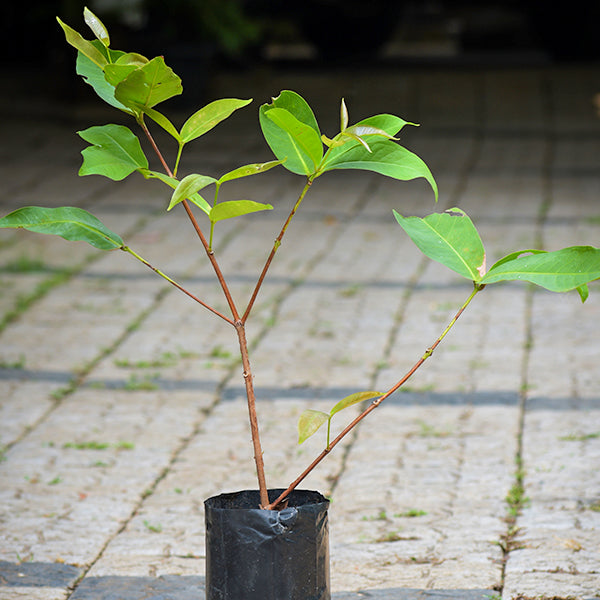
pixel 272 543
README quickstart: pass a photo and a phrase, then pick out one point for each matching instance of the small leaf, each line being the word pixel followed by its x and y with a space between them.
pixel 149 85
pixel 121 68
pixel 449 238
pixel 343 116
pixel 116 152
pixel 208 117
pixel 235 208
pixel 96 25
pixel 197 199
pixel 163 122
pixel 353 399
pixel 559 271
pixel 248 170
pixel 70 223
pixel 309 423
pixel 188 187
pixel 84 46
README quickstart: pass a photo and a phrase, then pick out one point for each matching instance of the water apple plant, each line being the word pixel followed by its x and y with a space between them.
pixel 136 85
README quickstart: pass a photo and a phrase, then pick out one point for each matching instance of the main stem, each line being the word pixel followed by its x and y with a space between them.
pixel 375 402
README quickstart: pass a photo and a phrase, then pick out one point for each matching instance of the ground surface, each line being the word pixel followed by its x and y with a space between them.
pixel 121 402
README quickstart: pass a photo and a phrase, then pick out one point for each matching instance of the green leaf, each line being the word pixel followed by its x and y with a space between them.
pixel 209 116
pixel 292 140
pixel 123 66
pixel 70 223
pixel 291 131
pixel 309 422
pixel 97 27
pixel 149 85
pixel 116 152
pixel 248 170
pixel 235 208
pixel 84 46
pixel 386 157
pixel 163 122
pixel 353 399
pixel 197 199
pixel 93 75
pixel 190 186
pixel 449 238
pixel 559 271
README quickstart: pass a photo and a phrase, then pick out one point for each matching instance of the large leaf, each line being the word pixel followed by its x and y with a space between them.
pixel 235 208
pixel 189 187
pixel 386 157
pixel 558 271
pixel 70 223
pixel 291 131
pixel 449 238
pixel 149 85
pixel 93 75
pixel 209 116
pixel 116 152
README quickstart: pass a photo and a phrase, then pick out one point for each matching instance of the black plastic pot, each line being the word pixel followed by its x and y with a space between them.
pixel 255 554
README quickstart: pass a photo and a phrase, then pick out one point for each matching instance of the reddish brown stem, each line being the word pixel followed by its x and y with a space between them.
pixel 373 405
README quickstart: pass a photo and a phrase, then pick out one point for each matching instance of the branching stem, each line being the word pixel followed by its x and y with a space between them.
pixel 375 402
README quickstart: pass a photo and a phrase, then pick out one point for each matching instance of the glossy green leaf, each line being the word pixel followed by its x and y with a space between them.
pixel 116 152
pixel 386 157
pixel 292 140
pixel 235 208
pixel 559 271
pixel 84 46
pixel 449 238
pixel 172 182
pixel 93 75
pixel 291 131
pixel 70 223
pixel 248 170
pixel 97 27
pixel 309 423
pixel 123 66
pixel 353 399
pixel 190 186
pixel 209 116
pixel 149 85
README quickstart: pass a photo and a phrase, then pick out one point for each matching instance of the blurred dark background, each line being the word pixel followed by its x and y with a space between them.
pixel 199 36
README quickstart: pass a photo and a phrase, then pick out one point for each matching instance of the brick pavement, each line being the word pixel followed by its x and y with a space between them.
pixel 122 406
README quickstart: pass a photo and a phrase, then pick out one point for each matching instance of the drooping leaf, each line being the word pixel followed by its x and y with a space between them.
pixel 172 182
pixel 93 75
pixel 235 208
pixel 70 223
pixel 209 116
pixel 559 271
pixel 248 170
pixel 115 152
pixel 291 131
pixel 353 399
pixel 84 46
pixel 147 86
pixel 96 25
pixel 190 186
pixel 449 238
pixel 386 157
pixel 309 423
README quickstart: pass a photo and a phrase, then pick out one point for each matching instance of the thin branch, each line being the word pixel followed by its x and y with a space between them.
pixel 274 250
pixel 375 403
